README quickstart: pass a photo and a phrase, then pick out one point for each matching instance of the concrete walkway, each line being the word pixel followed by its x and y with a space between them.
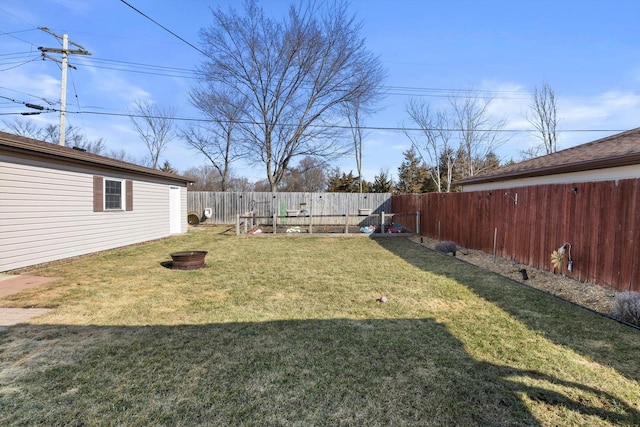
pixel 12 284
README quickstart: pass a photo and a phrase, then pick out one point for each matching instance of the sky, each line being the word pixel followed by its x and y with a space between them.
pixel 588 51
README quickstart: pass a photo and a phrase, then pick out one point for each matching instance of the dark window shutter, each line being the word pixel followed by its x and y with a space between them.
pixel 98 194
pixel 129 192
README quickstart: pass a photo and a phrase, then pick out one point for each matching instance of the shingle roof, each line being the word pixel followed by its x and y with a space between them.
pixel 622 149
pixel 17 143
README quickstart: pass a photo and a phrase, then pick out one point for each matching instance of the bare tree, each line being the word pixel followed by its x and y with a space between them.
pixel 50 133
pixel 293 75
pixel 207 178
pixel 434 145
pixel 214 138
pixel 155 127
pixel 478 131
pixel 125 156
pixel 544 119
pixel 310 175
pixel 354 116
pixel 25 128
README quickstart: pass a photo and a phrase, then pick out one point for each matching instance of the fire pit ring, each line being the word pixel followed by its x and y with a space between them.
pixel 190 260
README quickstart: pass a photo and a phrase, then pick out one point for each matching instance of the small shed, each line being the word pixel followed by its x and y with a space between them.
pixel 58 202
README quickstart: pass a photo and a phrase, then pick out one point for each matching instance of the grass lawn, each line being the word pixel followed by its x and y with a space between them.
pixel 286 330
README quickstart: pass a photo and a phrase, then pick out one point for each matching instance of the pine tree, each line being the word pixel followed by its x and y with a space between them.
pixel 340 182
pixel 382 183
pixel 413 175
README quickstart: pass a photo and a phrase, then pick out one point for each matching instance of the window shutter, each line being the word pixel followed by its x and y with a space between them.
pixel 98 194
pixel 129 195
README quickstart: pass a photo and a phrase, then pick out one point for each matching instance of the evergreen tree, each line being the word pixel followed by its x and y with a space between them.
pixel 166 167
pixel 340 182
pixel 490 162
pixel 413 175
pixel 382 183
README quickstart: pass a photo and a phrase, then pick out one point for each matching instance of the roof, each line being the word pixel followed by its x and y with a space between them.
pixel 20 144
pixel 622 149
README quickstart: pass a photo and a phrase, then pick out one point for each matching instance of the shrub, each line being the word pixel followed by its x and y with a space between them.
pixel 626 307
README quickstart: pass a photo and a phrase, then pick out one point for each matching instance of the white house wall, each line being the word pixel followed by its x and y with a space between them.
pixel 46 212
pixel 609 174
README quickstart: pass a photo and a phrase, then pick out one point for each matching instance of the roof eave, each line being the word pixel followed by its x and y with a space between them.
pixel 82 158
pixel 625 160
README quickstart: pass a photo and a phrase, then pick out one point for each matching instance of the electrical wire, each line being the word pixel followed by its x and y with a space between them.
pixel 20 64
pixel 343 127
pixel 165 28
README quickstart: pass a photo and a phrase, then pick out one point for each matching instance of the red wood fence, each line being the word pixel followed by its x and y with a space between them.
pixel 601 221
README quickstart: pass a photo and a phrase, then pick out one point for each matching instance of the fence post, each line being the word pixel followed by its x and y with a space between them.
pixel 418 223
pixel 382 222
pixel 346 224
pixel 237 224
pixel 246 222
pixel 275 222
pixel 310 221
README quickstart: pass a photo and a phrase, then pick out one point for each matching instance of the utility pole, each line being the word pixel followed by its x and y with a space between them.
pixel 65 52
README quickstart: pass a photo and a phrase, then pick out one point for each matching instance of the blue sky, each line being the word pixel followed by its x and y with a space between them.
pixel 588 51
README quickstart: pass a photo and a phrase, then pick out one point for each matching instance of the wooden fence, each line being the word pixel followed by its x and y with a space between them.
pixel 600 221
pixel 226 205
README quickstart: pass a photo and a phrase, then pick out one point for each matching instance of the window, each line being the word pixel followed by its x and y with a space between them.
pixel 111 194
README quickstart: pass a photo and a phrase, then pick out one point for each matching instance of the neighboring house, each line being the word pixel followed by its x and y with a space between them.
pixel 612 158
pixel 584 199
pixel 58 202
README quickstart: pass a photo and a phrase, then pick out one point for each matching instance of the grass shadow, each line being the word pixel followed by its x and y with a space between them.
pixel 596 337
pixel 306 372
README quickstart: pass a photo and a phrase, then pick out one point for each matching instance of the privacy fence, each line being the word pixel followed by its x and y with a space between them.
pixel 225 206
pixel 600 221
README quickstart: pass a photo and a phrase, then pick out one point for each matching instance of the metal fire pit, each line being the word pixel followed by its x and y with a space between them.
pixel 192 260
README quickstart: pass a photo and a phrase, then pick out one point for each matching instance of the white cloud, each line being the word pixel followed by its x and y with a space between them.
pixel 119 90
pixel 29 86
pixel 611 109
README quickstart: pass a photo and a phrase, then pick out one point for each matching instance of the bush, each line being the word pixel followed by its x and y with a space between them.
pixel 626 307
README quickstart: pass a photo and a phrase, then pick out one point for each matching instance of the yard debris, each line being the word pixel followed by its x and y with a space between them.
pixel 382 299
pixel 295 229
pixel 524 274
pixel 256 231
pixel 369 229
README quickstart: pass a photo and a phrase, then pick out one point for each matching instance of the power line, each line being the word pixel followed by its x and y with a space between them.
pixel 165 28
pixel 19 64
pixel 378 128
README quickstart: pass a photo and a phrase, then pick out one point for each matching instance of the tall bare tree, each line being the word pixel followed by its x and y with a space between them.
pixel 544 119
pixel 215 138
pixel 293 75
pixel 478 131
pixel 434 143
pixel 353 112
pixel 155 126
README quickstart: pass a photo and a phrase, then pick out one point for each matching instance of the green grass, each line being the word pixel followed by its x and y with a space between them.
pixel 287 331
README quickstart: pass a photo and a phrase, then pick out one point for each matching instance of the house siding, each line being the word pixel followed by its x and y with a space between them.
pixel 47 211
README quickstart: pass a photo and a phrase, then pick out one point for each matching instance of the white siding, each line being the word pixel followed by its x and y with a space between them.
pixel 46 212
pixel 609 174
